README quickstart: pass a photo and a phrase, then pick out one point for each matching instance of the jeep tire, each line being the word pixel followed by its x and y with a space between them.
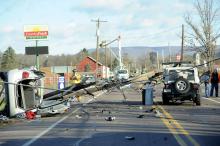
pixel 182 85
pixel 197 100
pixel 165 99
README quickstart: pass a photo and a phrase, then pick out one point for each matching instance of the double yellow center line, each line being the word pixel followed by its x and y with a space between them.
pixel 175 128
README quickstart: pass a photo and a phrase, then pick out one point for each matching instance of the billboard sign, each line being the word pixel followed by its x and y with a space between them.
pixel 36 50
pixel 36 32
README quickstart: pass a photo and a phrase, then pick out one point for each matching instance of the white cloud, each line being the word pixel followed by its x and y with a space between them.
pixel 71 28
pixel 148 22
pixel 113 4
pixel 8 29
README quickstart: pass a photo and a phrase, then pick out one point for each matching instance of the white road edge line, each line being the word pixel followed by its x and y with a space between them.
pixel 210 99
pixel 77 143
pixel 48 129
pixel 28 143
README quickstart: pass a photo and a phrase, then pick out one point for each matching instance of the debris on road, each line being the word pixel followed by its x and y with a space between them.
pixel 165 138
pixel 30 115
pixel 129 137
pixel 110 118
pixel 38 116
pixel 151 110
pixel 20 116
pixel 3 118
pixel 109 112
pixel 140 116
pixel 158 114
pixel 78 116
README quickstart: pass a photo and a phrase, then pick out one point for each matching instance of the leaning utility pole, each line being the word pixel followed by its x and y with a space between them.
pixel 163 54
pixel 110 56
pixel 97 44
pixel 104 44
pixel 106 63
pixel 182 44
pixel 169 52
pixel 119 51
pixel 158 64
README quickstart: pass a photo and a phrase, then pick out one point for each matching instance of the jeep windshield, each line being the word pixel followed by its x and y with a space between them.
pixel 177 73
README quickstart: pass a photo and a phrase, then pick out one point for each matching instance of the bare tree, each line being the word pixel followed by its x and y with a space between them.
pixel 204 33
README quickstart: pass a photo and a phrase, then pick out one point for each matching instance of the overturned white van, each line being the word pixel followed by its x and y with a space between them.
pixel 20 89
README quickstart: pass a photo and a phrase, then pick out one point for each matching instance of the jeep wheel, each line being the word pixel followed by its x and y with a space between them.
pixel 165 100
pixel 182 85
pixel 197 100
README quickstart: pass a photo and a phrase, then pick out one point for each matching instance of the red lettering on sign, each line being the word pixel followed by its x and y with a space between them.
pixel 38 33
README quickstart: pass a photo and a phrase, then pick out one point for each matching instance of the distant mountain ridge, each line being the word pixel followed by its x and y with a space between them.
pixel 138 51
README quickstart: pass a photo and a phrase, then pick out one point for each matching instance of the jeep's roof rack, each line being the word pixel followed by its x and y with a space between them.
pixel 179 63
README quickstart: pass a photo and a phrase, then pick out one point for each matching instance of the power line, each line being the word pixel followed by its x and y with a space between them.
pixel 152 35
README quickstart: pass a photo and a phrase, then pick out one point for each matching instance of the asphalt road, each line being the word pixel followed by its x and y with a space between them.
pixel 134 124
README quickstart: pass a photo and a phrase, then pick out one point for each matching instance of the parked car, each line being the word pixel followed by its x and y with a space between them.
pixel 122 74
pixel 88 79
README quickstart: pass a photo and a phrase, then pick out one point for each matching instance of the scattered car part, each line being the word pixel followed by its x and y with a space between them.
pixel 78 116
pixel 30 115
pixel 53 107
pixel 110 118
pixel 129 137
pixel 140 116
pixel 3 118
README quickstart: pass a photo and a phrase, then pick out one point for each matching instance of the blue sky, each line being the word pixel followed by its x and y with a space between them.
pixel 139 22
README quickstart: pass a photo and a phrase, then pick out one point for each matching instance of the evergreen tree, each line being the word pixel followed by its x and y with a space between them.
pixel 87 68
pixel 8 61
pixel 115 63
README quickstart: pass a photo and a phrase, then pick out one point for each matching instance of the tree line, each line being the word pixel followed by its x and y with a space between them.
pixel 10 60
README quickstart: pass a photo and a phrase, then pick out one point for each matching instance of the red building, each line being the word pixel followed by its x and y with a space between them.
pixel 88 64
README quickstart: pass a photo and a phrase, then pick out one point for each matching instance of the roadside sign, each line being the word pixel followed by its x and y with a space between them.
pixel 33 51
pixel 61 82
pixel 36 32
pixel 178 57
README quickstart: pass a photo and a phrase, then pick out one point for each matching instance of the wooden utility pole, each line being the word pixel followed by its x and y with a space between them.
pixel 97 44
pixel 163 54
pixel 158 64
pixel 169 52
pixel 182 44
pixel 110 55
pixel 106 64
pixel 104 44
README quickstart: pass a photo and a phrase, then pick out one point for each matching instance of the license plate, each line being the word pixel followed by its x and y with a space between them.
pixel 167 90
